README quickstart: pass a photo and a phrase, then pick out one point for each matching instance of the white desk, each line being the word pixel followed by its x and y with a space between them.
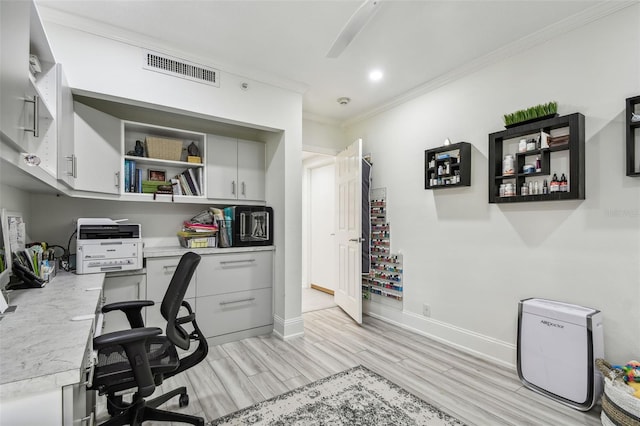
pixel 42 347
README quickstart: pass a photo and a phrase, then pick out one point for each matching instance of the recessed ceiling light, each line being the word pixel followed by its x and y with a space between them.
pixel 375 75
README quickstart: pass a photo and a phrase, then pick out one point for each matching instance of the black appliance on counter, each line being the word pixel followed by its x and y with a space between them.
pixel 249 226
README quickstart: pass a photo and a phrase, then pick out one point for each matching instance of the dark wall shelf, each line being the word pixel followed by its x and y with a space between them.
pixel 576 167
pixel 633 169
pixel 459 164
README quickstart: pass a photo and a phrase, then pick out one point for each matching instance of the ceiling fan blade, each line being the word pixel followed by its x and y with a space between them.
pixel 353 26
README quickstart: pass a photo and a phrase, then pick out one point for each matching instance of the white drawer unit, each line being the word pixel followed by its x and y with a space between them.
pixel 232 312
pixel 233 272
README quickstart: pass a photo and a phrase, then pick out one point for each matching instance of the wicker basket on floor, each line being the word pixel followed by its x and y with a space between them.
pixel 619 407
pixel 164 148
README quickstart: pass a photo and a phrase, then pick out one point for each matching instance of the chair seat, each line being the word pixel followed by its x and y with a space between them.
pixel 114 371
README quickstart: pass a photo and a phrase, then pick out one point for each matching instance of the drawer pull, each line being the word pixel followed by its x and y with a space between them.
pixel 249 299
pixel 172 267
pixel 224 262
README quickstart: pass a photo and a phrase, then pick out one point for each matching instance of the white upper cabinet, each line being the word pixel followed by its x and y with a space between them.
pixel 235 169
pixel 66 153
pixel 97 150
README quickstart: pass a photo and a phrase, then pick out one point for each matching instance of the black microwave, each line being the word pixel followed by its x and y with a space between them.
pixel 249 226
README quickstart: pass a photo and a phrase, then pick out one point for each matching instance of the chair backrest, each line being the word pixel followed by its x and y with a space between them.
pixel 173 299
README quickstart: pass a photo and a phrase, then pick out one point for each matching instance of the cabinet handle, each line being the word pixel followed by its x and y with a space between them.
pixel 244 189
pixel 356 240
pixel 36 112
pixel 70 158
pixel 224 262
pixel 248 299
pixel 89 420
pixel 117 179
pixel 233 187
pixel 172 267
pixel 74 166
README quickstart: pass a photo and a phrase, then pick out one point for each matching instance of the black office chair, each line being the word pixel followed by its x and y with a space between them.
pixel 140 358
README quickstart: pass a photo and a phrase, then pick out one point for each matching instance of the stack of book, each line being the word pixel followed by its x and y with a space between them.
pixel 558 140
pixel 132 177
pixel 189 182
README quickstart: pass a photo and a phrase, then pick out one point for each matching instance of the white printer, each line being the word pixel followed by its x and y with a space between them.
pixel 105 245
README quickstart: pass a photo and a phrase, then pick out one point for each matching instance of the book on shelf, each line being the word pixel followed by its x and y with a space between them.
pixel 177 188
pixel 194 181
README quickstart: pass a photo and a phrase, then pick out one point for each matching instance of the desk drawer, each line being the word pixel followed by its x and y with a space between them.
pixel 229 273
pixel 159 274
pixel 231 312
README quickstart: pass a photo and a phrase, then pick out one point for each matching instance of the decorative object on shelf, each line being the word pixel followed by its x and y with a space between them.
pixel 532 114
pixel 157 175
pixel 512 177
pixel 448 166
pixel 447 142
pixel 632 132
pixel 194 153
pixel 163 148
pixel 138 150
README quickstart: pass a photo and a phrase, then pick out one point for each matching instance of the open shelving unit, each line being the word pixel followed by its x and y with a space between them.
pixel 569 157
pixel 448 166
pixel 385 276
pixel 633 137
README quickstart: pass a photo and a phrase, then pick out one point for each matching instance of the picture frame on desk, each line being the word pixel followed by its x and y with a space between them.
pixel 157 175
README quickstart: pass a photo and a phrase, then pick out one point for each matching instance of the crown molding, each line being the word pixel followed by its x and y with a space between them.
pixel 136 39
pixel 545 34
pixel 320 119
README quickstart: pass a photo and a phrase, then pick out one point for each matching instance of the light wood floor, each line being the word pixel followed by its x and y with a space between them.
pixel 238 374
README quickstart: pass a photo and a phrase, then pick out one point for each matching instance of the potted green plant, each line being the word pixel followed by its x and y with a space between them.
pixel 534 113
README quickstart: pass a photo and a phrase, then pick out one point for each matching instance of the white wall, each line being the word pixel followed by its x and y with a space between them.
pixel 322 137
pixel 471 261
pixel 111 68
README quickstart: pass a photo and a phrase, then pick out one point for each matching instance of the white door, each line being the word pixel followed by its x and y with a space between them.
pixel 322 229
pixel 348 295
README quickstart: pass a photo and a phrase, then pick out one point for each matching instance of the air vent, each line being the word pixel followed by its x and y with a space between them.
pixel 180 68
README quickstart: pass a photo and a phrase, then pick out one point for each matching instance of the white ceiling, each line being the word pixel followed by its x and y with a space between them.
pixel 286 42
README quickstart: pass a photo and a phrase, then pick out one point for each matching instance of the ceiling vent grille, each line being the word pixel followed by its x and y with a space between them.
pixel 180 68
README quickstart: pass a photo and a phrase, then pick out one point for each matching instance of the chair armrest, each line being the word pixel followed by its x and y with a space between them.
pixel 134 343
pixel 131 308
pixel 125 337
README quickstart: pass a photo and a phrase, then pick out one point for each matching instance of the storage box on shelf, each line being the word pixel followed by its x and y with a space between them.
pixel 157 156
pixel 554 154
pixel 633 137
pixel 448 166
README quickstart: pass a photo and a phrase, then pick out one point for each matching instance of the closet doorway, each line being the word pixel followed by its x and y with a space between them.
pixel 319 260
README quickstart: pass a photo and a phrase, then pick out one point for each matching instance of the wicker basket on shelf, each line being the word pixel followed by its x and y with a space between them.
pixel 619 406
pixel 164 148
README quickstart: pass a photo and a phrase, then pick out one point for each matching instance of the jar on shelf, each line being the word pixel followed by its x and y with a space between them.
pixel 508 165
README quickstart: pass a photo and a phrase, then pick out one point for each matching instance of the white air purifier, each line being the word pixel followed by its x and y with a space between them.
pixel 558 344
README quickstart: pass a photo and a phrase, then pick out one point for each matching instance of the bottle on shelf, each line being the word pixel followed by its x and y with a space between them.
pixel 536 188
pixel 545 187
pixel 555 184
pixel 538 164
pixel 564 185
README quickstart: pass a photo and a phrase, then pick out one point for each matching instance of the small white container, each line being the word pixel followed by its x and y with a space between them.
pixel 507 165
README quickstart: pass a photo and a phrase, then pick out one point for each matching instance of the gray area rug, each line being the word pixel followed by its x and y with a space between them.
pixel 356 396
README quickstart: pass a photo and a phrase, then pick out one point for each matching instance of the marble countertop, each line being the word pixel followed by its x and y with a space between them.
pixel 43 343
pixel 165 251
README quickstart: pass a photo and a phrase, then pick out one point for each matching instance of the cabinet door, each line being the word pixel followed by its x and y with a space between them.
pixel 120 289
pixel 233 312
pixel 251 170
pixel 97 149
pixel 159 274
pixel 14 57
pixel 64 119
pixel 222 167
pixel 227 273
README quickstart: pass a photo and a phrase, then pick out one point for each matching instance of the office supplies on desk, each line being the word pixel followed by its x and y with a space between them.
pixel 25 278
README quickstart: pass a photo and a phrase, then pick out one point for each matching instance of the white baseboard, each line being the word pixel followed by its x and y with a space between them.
pixel 287 329
pixel 476 344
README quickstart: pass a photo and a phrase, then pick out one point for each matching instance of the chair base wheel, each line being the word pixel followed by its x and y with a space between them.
pixel 184 400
